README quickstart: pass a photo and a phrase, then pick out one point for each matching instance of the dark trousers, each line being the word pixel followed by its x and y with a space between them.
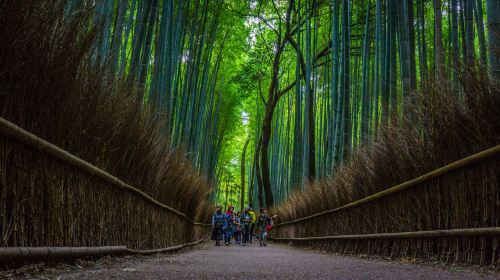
pixel 246 234
pixel 262 236
pixel 217 235
pixel 252 231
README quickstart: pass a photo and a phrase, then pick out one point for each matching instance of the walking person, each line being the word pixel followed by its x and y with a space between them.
pixel 229 225
pixel 237 228
pixel 230 210
pixel 229 229
pixel 217 223
pixel 252 223
pixel 245 220
pixel 263 224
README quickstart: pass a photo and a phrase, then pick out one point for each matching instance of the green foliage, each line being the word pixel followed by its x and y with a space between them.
pixel 349 67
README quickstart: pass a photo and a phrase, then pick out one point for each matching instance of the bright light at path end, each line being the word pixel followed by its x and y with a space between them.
pixel 244 118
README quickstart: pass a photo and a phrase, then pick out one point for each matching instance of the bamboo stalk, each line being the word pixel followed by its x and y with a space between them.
pixel 406 185
pixel 465 232
pixel 34 141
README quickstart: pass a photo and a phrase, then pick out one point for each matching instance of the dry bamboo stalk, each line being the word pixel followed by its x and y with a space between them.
pixel 464 232
pixel 30 139
pixel 412 183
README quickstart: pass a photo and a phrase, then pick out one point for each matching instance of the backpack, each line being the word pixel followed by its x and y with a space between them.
pixel 252 216
pixel 219 223
pixel 219 220
pixel 245 216
pixel 269 225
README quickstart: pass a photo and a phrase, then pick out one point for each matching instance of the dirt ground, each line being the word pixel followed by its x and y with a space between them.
pixel 250 262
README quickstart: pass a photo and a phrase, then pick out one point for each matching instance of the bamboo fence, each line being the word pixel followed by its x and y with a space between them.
pixel 51 198
pixel 450 214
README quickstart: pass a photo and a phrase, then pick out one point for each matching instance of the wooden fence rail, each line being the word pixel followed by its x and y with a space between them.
pixel 465 232
pixel 13 254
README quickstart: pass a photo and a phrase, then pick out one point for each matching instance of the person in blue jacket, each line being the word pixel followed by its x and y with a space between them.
pixel 245 221
pixel 231 229
pixel 218 219
pixel 237 228
pixel 229 226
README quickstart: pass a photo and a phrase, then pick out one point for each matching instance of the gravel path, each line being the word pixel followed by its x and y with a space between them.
pixel 254 262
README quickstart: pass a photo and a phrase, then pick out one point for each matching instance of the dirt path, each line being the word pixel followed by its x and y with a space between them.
pixel 254 262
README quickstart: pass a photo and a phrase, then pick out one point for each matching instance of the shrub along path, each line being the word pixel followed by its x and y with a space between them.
pixel 254 262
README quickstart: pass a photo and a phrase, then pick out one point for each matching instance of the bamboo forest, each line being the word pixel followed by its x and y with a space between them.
pixel 303 82
pixel 366 127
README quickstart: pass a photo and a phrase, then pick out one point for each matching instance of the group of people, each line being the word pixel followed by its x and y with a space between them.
pixel 241 226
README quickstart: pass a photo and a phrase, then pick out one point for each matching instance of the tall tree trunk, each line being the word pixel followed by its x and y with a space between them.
pixel 493 13
pixel 146 52
pixel 389 53
pixel 438 41
pixel 309 137
pixel 273 97
pixel 411 52
pixel 335 94
pixel 139 39
pixel 469 30
pixel 251 183
pixel 462 30
pixel 365 78
pixel 345 79
pixel 297 165
pixel 242 193
pixel 455 47
pixel 128 28
pixel 380 52
pixel 264 156
pixel 393 82
pixel 478 14
pixel 227 194
pixel 422 53
pixel 404 45
pixel 118 33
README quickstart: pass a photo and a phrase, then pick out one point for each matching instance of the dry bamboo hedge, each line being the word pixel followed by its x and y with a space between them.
pixel 452 201
pixel 55 91
pixel 442 129
pixel 45 202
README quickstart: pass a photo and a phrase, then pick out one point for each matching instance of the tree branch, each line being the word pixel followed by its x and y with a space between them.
pixel 258 16
pixel 287 89
pixel 260 89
